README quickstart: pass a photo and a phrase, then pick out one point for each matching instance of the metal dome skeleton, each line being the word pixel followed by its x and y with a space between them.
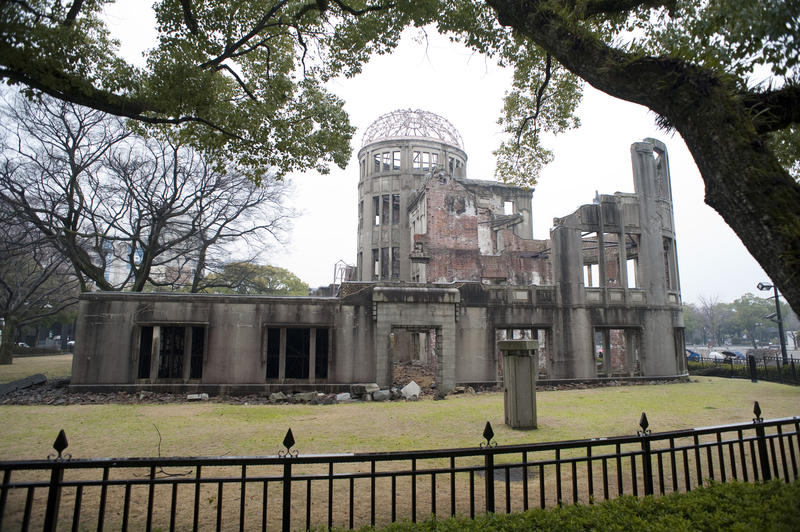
pixel 406 123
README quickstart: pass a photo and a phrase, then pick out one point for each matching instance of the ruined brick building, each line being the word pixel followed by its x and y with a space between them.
pixel 445 267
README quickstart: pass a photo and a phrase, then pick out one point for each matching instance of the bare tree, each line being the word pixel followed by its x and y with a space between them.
pixel 50 176
pixel 36 281
pixel 712 315
pixel 130 213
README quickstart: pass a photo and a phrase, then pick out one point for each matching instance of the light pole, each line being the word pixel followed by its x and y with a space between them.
pixel 779 319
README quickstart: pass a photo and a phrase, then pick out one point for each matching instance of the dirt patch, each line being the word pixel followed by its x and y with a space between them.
pixel 423 374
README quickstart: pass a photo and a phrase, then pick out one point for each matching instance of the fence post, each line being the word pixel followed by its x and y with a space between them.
pixel 647 464
pixel 288 442
pixel 751 364
pixel 488 433
pixel 56 477
pixel 761 440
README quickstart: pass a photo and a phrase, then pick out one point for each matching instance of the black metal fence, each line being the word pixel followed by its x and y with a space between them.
pixel 768 368
pixel 294 491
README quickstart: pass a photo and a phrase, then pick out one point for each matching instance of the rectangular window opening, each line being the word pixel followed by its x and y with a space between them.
pixel 376 212
pixel 395 209
pixel 171 353
pixel 385 209
pixel 611 256
pixel 395 160
pixel 591 275
pixel 395 263
pixel 376 162
pixel 670 266
pixel 384 263
pixel 196 356
pixel 631 266
pixel 376 265
pixel 386 161
pixel 298 342
pixel 508 207
pixel 145 349
pixel 416 161
pixel 321 355
pixel 426 160
pixel 273 352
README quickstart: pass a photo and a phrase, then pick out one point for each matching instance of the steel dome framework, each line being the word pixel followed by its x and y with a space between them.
pixel 407 123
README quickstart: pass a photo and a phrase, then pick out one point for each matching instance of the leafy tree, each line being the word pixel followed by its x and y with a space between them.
pixel 748 314
pixel 239 80
pixel 254 279
pixel 693 323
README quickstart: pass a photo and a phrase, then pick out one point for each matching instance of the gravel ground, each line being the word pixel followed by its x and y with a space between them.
pixel 56 392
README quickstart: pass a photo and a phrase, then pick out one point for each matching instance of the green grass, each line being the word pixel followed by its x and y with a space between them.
pixel 736 506
pixel 190 429
pixel 52 366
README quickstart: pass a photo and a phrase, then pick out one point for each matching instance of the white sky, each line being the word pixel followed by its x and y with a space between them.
pixel 466 89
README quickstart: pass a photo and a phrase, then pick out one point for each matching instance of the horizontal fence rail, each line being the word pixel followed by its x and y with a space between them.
pixel 292 491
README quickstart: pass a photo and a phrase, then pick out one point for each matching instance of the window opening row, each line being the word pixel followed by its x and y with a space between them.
pixel 424 160
pixel 385 262
pixel 421 160
pixel 382 162
pixel 172 351
pixel 292 352
pixel 611 256
pixel 381 206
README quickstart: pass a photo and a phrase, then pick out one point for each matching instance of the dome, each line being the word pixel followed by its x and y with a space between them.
pixel 405 123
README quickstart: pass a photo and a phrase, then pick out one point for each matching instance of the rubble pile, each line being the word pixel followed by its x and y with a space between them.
pixel 56 392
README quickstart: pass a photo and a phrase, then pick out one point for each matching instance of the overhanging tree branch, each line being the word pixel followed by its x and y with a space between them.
pixel 774 109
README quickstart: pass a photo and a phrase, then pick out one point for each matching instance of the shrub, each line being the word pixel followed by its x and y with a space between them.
pixel 736 506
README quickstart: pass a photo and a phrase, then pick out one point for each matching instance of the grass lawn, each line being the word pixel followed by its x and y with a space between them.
pixel 226 429
pixel 52 366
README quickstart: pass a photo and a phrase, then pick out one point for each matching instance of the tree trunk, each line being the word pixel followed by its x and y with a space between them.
pixel 7 344
pixel 744 182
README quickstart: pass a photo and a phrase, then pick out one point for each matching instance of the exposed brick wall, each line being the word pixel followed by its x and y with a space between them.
pixel 454 215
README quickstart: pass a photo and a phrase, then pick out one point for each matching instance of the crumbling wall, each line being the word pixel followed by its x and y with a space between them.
pixel 467 235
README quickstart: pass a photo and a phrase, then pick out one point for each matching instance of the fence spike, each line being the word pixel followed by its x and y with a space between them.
pixel 488 434
pixel 643 422
pixel 757 411
pixel 59 445
pixel 288 442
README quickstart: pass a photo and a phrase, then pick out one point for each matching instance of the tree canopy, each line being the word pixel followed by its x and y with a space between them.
pixel 240 79
pixel 246 79
pixel 246 278
pixel 748 320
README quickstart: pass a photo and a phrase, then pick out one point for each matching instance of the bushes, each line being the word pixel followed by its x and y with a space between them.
pixel 736 506
pixel 772 372
pixel 35 351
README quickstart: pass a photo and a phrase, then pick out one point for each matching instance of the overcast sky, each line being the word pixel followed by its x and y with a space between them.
pixel 467 89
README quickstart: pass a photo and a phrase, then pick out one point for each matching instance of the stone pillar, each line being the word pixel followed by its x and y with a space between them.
pixel 520 366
